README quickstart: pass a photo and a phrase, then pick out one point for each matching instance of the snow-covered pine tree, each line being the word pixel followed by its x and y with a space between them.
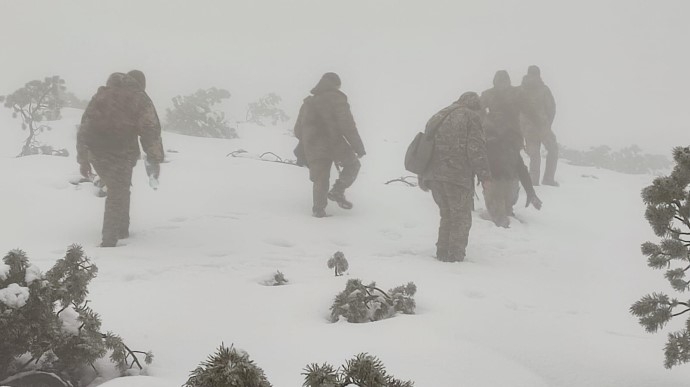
pixel 266 108
pixel 668 212
pixel 46 325
pixel 193 115
pixel 360 303
pixel 37 101
pixel 228 367
pixel 338 263
pixel 362 370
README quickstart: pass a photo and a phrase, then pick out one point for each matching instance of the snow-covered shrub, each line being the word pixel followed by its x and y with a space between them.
pixel 360 303
pixel 46 324
pixel 668 212
pixel 266 109
pixel 362 370
pixel 192 115
pixel 228 367
pixel 630 159
pixel 338 262
pixel 36 102
pixel 276 279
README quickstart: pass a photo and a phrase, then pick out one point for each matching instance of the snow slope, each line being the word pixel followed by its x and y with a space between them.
pixel 543 303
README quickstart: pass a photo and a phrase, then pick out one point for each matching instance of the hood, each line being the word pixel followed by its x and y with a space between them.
pixel 122 80
pixel 502 79
pixel 328 82
pixel 531 80
pixel 469 100
pixel 534 70
pixel 139 77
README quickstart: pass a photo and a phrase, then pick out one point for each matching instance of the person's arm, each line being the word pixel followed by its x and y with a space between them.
pixel 345 124
pixel 476 148
pixel 150 131
pixel 550 105
pixel 526 181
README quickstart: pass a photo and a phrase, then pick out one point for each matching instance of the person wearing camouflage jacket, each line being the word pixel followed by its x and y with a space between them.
pixel 459 155
pixel 116 117
pixel 327 134
pixel 537 124
pixel 501 108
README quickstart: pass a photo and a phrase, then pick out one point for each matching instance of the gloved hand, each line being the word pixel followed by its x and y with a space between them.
pixel 361 154
pixel 85 170
pixel 534 201
pixel 153 169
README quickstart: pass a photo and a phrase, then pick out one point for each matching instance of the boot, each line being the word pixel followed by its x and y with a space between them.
pixel 319 213
pixel 107 242
pixel 338 196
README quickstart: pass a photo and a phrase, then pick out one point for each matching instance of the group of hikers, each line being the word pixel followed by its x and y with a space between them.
pixel 476 136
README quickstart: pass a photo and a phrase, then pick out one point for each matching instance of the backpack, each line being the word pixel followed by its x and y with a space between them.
pixel 421 149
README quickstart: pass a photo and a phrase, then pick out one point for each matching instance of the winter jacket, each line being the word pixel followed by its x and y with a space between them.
pixel 459 145
pixel 118 115
pixel 325 126
pixel 540 105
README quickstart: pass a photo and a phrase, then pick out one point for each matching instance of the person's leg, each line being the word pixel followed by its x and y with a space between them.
pixel 551 145
pixel 438 193
pixel 533 150
pixel 117 177
pixel 460 220
pixel 494 198
pixel 350 166
pixel 320 174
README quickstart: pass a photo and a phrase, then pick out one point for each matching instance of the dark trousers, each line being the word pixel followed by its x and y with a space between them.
pixel 500 197
pixel 455 206
pixel 116 174
pixel 320 175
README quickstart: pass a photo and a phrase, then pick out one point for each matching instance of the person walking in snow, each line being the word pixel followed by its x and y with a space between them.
pixel 536 124
pixel 327 134
pixel 459 154
pixel 501 107
pixel 118 115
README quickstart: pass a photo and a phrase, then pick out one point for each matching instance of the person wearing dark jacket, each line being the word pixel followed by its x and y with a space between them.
pixel 537 124
pixel 327 134
pixel 459 155
pixel 501 107
pixel 116 117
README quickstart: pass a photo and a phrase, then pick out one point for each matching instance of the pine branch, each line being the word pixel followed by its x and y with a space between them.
pixel 679 313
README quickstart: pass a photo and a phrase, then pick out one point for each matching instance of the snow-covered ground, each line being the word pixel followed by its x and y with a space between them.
pixel 544 303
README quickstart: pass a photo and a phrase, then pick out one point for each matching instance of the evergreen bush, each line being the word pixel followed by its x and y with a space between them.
pixel 363 370
pixel 360 303
pixel 46 325
pixel 228 367
pixel 668 212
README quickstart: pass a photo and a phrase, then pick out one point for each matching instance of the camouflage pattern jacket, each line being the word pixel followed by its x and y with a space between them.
pixel 118 115
pixel 459 146
pixel 325 125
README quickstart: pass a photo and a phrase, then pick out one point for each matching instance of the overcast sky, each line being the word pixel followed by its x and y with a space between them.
pixel 618 69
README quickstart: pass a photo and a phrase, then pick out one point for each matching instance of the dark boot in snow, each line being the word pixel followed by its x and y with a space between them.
pixel 319 213
pixel 339 197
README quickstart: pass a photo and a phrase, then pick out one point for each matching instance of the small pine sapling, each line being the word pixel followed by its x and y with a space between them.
pixel 668 212
pixel 338 263
pixel 277 279
pixel 228 367
pixel 362 370
pixel 360 303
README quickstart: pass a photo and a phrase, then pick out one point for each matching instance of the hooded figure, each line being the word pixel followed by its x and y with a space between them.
pixel 327 134
pixel 501 107
pixel 536 122
pixel 459 155
pixel 117 116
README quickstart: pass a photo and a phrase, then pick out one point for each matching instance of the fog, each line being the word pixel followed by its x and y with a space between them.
pixel 618 69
